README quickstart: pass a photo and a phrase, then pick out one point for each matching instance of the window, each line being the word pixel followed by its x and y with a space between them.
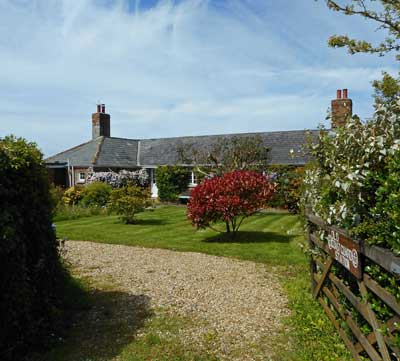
pixel 81 177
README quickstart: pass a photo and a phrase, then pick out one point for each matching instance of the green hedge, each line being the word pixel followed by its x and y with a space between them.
pixel 30 270
pixel 353 180
pixel 171 181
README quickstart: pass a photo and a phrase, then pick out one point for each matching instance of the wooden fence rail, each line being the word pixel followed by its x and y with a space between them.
pixel 365 311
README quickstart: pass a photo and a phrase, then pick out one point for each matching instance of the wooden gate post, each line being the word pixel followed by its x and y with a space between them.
pixel 313 266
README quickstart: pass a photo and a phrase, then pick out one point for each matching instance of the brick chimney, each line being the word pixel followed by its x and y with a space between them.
pixel 342 109
pixel 100 122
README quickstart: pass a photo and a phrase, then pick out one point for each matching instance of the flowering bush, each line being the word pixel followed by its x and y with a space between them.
pixel 120 179
pixel 353 180
pixel 73 195
pixel 229 198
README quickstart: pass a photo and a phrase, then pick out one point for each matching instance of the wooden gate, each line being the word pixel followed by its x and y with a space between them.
pixel 363 307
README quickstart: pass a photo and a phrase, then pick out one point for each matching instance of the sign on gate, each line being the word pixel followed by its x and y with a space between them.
pixel 345 251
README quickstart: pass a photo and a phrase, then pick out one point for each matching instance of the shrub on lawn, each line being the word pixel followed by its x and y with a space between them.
pixel 171 181
pixel 128 201
pixel 229 198
pixel 96 194
pixel 30 270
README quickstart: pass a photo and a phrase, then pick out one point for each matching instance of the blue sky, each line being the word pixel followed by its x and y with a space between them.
pixel 171 68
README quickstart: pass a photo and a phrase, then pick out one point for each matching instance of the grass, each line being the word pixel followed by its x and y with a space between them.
pixel 270 238
pixel 265 237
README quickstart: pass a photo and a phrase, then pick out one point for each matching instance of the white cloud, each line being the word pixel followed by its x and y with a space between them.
pixel 188 67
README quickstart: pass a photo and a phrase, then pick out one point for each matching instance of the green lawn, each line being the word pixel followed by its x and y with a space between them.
pixel 270 238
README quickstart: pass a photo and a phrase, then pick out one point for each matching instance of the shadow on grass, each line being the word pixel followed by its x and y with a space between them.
pixel 101 331
pixel 149 222
pixel 250 237
pixel 143 222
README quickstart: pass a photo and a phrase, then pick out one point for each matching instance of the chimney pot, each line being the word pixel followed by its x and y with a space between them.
pixel 100 122
pixel 342 109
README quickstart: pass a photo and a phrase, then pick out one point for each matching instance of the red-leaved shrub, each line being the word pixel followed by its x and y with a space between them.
pixel 229 198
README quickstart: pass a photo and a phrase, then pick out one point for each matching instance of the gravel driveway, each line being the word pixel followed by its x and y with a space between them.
pixel 238 302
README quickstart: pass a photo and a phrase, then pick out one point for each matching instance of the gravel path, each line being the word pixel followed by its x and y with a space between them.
pixel 238 303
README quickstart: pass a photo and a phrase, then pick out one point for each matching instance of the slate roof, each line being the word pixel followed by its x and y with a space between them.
pixel 130 153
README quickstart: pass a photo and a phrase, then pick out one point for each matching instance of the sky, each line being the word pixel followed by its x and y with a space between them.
pixel 173 68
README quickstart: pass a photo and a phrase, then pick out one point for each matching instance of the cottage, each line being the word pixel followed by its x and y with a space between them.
pixel 104 152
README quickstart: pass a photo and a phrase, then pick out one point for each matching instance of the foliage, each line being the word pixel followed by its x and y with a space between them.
pixel 128 201
pixel 387 90
pixel 288 180
pixel 387 17
pixel 383 227
pixel 352 181
pixel 30 270
pixel 96 194
pixel 230 198
pixel 65 212
pixel 227 155
pixel 122 178
pixel 171 181
pixel 73 195
pixel 56 194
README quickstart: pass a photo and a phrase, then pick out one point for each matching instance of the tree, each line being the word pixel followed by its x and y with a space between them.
pixel 227 155
pixel 387 18
pixel 387 90
pixel 229 198
pixel 128 201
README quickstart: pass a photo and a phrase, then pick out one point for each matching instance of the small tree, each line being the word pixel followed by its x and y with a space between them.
pixel 171 180
pixel 227 155
pixel 230 198
pixel 128 201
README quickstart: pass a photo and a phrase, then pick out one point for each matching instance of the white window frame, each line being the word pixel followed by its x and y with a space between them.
pixel 80 179
pixel 193 181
